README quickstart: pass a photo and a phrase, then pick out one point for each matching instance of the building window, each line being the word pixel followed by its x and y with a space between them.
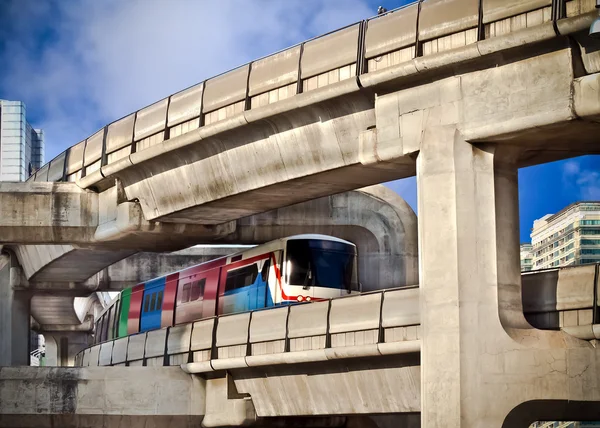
pixel 590 242
pixel 590 251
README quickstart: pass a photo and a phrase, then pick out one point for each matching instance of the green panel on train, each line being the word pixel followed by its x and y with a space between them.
pixel 124 312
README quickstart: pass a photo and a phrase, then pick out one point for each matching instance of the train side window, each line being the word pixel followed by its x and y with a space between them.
pixel 159 299
pixel 146 303
pixel 264 273
pixel 197 289
pixel 185 295
pixel 152 302
pixel 241 277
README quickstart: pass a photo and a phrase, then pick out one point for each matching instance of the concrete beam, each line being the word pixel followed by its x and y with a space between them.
pixel 37 397
pixel 47 212
pixel 63 213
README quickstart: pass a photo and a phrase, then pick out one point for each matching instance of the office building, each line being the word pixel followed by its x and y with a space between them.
pixel 526 257
pixel 21 146
pixel 569 237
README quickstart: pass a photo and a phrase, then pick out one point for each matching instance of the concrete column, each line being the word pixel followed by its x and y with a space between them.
pixel 14 316
pixel 51 351
pixel 480 359
pixel 61 347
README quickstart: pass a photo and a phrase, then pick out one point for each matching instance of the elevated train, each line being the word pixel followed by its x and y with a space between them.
pixel 299 268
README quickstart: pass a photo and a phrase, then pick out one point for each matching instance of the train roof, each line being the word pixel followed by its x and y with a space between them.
pixel 316 236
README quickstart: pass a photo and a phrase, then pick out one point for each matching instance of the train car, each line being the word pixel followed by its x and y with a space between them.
pixel 299 268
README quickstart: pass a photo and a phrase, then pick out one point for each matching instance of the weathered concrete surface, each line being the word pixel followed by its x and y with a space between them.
pixel 371 386
pixel 14 316
pixel 62 346
pixel 482 364
pixel 55 213
pixel 47 212
pixel 84 397
pixel 166 396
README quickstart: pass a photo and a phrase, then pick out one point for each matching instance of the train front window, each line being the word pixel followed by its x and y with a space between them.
pixel 321 263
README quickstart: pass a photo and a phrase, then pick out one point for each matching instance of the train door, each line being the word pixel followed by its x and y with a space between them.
pixel 196 294
pixel 135 309
pixel 152 304
pixel 275 279
pixel 168 308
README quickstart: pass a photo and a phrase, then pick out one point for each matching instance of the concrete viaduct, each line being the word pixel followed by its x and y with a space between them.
pixel 55 277
pixel 461 93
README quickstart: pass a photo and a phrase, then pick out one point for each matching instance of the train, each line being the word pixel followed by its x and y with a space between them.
pixel 296 269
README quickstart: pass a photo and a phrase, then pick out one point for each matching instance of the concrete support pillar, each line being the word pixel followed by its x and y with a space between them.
pixel 14 316
pixel 61 347
pixel 225 406
pixel 480 359
pixel 51 359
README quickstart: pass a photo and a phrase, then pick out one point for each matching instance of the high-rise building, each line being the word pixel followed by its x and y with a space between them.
pixel 21 146
pixel 526 257
pixel 569 237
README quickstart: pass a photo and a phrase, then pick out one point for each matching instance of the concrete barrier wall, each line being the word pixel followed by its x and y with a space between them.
pixel 233 340
pixel 370 321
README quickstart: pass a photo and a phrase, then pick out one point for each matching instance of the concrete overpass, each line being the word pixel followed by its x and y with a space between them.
pixel 461 92
pixel 350 356
pixel 375 218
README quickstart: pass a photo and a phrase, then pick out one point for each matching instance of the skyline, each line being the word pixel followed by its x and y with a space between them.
pixel 81 76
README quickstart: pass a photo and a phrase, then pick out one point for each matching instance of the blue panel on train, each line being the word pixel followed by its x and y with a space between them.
pixel 255 296
pixel 154 292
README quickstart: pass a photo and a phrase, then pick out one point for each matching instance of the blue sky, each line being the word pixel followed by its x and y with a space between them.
pixel 80 64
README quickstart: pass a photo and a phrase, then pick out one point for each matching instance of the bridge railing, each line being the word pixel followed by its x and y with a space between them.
pixel 341 59
pixel 376 323
pixel 564 299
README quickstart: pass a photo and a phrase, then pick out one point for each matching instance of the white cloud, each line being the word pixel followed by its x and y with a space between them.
pixel 585 181
pixel 102 60
pixel 571 167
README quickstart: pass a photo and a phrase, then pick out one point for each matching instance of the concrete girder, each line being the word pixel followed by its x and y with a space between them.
pixel 63 213
pixel 361 139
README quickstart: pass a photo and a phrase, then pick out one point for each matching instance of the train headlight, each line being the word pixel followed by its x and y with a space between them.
pixel 300 298
pixel 308 299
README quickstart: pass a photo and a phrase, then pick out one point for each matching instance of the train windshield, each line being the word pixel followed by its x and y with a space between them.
pixel 321 263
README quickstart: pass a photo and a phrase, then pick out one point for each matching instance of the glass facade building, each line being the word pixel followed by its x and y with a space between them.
pixel 21 146
pixel 526 257
pixel 570 237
